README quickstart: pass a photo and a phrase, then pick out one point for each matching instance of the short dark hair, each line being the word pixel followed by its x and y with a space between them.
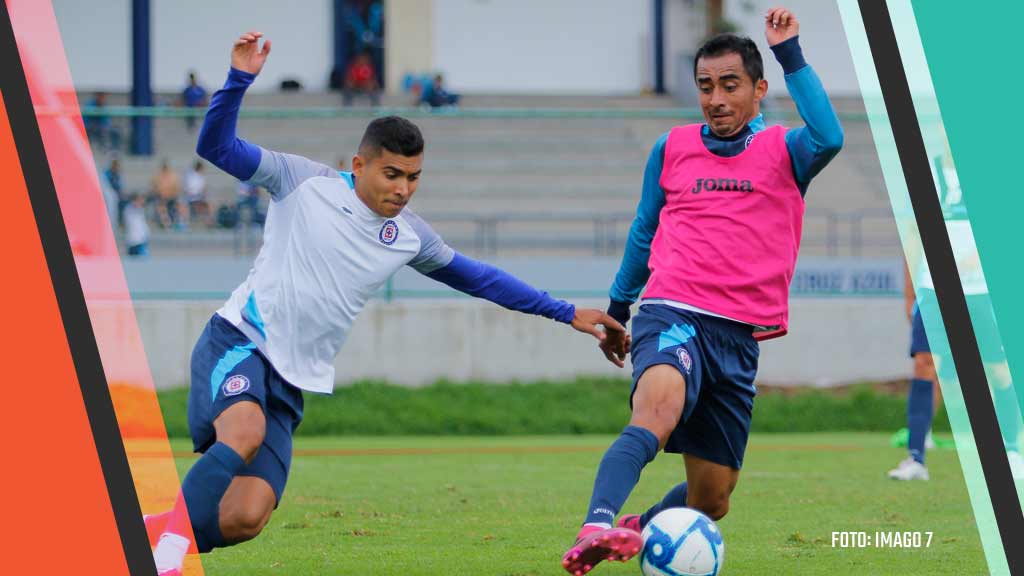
pixel 394 134
pixel 722 44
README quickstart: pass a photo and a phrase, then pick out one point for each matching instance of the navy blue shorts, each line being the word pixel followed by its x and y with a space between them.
pixel 227 368
pixel 718 361
pixel 918 339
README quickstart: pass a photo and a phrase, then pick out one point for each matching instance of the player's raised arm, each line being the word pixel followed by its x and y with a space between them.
pixel 440 262
pixel 219 144
pixel 812 146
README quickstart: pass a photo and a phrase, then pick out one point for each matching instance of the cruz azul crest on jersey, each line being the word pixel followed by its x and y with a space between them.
pixel 235 385
pixel 389 233
pixel 684 359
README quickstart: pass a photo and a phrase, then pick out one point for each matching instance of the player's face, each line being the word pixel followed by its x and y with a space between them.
pixel 728 96
pixel 387 181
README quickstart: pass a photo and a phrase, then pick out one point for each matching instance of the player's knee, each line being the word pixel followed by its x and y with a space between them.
pixel 924 366
pixel 716 506
pixel 245 523
pixel 660 420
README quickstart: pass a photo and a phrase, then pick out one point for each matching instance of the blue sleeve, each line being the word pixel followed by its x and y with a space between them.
pixel 633 272
pixel 217 140
pixel 812 146
pixel 490 283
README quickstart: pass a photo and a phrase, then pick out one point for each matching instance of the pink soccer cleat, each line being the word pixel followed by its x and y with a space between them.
pixel 171 572
pixel 594 544
pixel 631 521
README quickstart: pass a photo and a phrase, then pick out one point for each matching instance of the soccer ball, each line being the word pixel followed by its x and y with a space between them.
pixel 682 542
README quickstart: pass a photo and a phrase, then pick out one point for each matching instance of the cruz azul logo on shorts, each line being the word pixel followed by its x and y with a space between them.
pixel 684 359
pixel 235 385
pixel 389 233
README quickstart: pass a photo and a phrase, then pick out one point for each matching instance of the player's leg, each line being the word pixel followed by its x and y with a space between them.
pixel 240 430
pixel 245 509
pixel 714 436
pixel 660 397
pixel 675 498
pixel 657 406
pixel 257 489
pixel 920 403
pixel 710 485
pixel 228 425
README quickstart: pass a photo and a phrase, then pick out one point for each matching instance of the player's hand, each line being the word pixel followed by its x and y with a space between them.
pixel 780 25
pixel 587 321
pixel 247 55
pixel 615 347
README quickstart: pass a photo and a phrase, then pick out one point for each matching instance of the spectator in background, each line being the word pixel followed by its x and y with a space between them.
pixel 193 96
pixel 99 127
pixel 436 96
pixel 361 78
pixel 248 205
pixel 166 189
pixel 194 186
pixel 136 230
pixel 112 180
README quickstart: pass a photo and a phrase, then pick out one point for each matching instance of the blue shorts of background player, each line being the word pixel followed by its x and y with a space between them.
pixel 718 361
pixel 918 338
pixel 227 369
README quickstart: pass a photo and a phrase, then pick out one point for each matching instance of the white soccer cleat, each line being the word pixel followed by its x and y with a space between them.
pixel 909 469
pixel 1016 464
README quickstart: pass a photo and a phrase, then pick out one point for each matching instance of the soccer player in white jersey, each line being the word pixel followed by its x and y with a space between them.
pixel 1005 396
pixel 332 239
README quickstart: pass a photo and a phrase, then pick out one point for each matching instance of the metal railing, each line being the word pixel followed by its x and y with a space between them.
pixel 826 233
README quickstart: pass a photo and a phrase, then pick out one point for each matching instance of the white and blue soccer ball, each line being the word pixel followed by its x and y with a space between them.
pixel 682 542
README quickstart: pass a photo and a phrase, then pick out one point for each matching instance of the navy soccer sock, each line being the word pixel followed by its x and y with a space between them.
pixel 1007 414
pixel 919 415
pixel 619 472
pixel 203 488
pixel 676 498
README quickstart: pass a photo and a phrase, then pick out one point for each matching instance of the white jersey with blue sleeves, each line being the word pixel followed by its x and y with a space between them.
pixel 324 254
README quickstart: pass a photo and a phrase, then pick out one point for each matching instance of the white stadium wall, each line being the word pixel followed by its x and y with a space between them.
pixel 194 35
pixel 543 46
pixel 97 41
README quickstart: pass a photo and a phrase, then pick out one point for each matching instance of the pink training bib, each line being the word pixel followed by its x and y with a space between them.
pixel 729 233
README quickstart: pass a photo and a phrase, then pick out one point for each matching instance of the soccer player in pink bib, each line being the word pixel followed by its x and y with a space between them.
pixel 715 240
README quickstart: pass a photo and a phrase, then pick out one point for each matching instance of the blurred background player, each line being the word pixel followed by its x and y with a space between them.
pixel 331 241
pixel 717 233
pixel 924 397
pixel 1005 397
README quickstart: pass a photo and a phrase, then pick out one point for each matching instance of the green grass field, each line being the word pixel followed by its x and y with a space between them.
pixel 509 506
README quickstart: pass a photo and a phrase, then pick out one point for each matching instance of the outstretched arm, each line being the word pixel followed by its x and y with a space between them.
pixel 219 144
pixel 812 146
pixel 438 261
